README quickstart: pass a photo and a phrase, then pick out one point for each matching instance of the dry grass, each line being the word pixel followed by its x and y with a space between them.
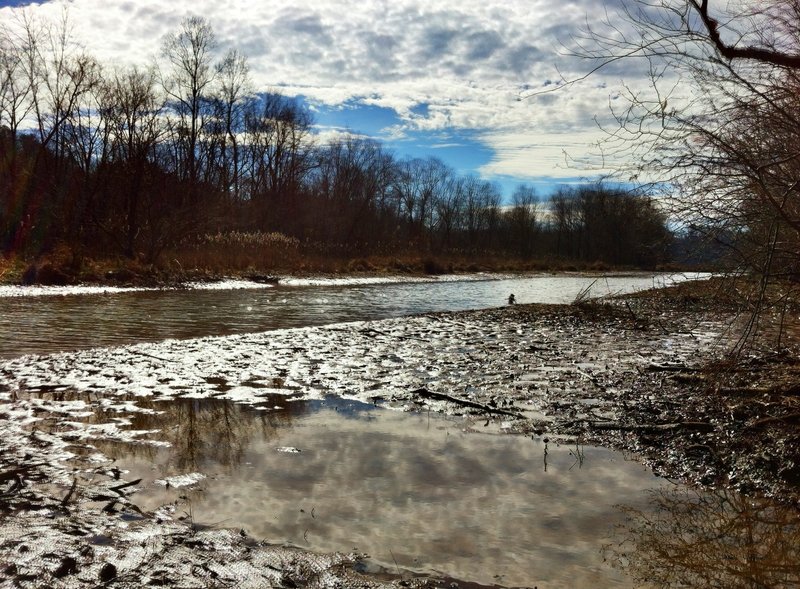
pixel 246 254
pixel 233 253
pixel 11 269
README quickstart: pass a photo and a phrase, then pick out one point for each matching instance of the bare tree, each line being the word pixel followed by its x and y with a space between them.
pixel 49 81
pixel 59 75
pixel 233 89
pixel 189 51
pixel 480 212
pixel 277 154
pixel 132 110
pixel 719 128
pixel 15 84
pixel 448 207
pixel 351 179
pixel 708 540
pixel 564 221
pixel 418 184
pixel 522 219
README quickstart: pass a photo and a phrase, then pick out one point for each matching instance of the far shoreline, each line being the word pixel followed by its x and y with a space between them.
pixel 64 268
pixel 312 280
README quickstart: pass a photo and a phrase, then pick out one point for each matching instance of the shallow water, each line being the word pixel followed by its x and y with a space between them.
pixel 46 324
pixel 415 491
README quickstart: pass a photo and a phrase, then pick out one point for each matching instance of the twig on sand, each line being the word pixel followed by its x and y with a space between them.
pixel 774 419
pixel 372 332
pixel 423 392
pixel 137 352
pixel 68 496
pixel 655 427
pixel 15 476
pixel 670 368
pixel 118 488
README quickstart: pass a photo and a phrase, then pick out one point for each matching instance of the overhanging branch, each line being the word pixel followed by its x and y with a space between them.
pixel 750 52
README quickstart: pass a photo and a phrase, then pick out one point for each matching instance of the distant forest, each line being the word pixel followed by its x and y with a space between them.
pixel 142 160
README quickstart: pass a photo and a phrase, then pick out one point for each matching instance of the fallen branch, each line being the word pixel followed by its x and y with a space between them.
pixel 670 368
pixel 118 488
pixel 10 474
pixel 372 332
pixel 68 496
pixel 682 378
pixel 15 475
pixel 423 392
pixel 47 388
pixel 774 419
pixel 594 380
pixel 138 353
pixel 656 427
pixel 746 391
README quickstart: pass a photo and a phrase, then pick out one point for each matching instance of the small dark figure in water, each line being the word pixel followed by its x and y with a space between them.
pixel 512 299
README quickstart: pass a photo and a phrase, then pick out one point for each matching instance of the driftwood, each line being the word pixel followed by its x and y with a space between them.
pixel 691 378
pixel 746 391
pixel 656 427
pixel 670 368
pixel 15 475
pixel 15 472
pixel 68 496
pixel 423 392
pixel 372 332
pixel 138 353
pixel 47 388
pixel 774 419
pixel 118 488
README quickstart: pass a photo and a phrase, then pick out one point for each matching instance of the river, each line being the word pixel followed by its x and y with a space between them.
pixel 73 319
pixel 291 435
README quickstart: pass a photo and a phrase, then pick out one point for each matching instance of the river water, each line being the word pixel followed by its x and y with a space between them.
pixel 60 322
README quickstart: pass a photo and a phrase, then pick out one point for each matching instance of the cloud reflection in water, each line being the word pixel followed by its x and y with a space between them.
pixel 398 486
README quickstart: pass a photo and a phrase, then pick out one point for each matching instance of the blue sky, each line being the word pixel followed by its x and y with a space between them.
pixel 466 81
pixel 463 149
pixel 459 148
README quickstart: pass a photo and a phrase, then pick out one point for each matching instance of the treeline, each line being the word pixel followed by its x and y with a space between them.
pixel 133 161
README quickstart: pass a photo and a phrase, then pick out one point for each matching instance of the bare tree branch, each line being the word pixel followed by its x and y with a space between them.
pixel 750 52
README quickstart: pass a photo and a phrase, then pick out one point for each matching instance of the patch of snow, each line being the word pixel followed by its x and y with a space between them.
pixel 181 480
pixel 44 291
pixel 97 457
pixel 368 280
pixel 229 284
pixel 288 450
pixel 14 290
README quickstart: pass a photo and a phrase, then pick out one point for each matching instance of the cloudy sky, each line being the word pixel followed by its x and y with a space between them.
pixel 458 79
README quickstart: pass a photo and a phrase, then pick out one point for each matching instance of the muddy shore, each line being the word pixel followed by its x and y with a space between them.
pixel 631 373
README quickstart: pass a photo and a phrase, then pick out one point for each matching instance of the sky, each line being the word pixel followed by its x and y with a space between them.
pixel 473 82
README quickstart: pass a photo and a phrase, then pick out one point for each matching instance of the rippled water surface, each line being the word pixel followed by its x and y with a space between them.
pixel 45 324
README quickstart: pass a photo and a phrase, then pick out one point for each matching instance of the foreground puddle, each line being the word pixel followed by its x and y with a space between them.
pixel 416 492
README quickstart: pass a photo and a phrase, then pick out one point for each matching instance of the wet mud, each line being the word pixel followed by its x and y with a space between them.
pixel 628 374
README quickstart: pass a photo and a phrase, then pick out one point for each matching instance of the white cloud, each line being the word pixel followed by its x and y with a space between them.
pixel 327 135
pixel 558 156
pixel 469 61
